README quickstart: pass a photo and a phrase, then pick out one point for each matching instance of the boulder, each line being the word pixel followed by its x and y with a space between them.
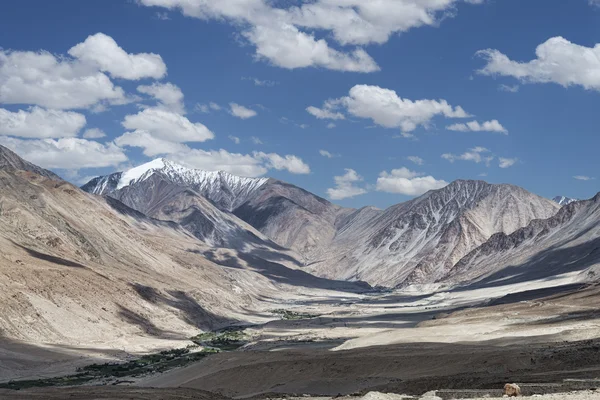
pixel 512 390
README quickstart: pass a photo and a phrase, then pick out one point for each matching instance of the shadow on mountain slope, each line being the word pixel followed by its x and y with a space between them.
pixel 191 311
pixel 280 273
pixel 546 265
pixel 49 258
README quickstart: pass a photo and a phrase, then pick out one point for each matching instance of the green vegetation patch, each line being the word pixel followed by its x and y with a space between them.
pixel 159 362
pixel 292 315
pixel 228 339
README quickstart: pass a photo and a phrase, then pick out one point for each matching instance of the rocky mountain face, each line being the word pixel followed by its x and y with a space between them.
pixel 563 201
pixel 420 241
pixel 9 160
pixel 212 204
pixel 566 243
pixel 292 217
pixel 169 192
pixel 224 190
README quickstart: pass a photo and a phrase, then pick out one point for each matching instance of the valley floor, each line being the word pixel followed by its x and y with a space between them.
pixel 397 342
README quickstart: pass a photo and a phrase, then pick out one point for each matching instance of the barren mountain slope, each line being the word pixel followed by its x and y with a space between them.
pixel 10 160
pixel 419 241
pixel 290 216
pixel 565 243
pixel 82 271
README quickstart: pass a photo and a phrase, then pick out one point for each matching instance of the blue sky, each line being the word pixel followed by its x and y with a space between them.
pixel 122 66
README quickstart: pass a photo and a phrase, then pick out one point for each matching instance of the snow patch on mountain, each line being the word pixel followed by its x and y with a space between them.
pixel 563 201
pixel 225 190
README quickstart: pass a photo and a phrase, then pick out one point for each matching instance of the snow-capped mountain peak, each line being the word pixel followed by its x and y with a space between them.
pixel 563 201
pixel 222 188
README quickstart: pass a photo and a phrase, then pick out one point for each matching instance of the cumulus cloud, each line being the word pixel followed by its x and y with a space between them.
pixel 507 162
pixel 291 163
pixel 234 139
pixel 407 182
pixel 66 153
pixel 256 140
pixel 327 154
pixel 103 51
pixel 207 108
pixel 151 144
pixel 42 79
pixel 168 95
pixel 280 34
pixel 416 160
pixel 476 154
pixel 331 125
pixel 286 46
pixel 324 113
pixel 346 186
pixel 387 109
pixel 240 111
pixel 37 122
pixel 251 165
pixel 93 133
pixel 167 125
pixel 221 160
pixel 75 81
pixel 583 178
pixel 557 60
pixel 259 82
pixel 507 88
pixel 474 126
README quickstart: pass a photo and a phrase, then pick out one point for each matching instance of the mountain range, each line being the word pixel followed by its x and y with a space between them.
pixel 416 242
pixel 160 252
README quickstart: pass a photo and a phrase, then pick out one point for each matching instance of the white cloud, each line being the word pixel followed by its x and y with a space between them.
pixel 407 182
pixel 166 125
pixel 221 160
pixel 76 81
pixel 43 79
pixel 66 153
pixel 151 144
pixel 331 125
pixel 324 113
pixel 416 160
pixel 103 51
pixel 387 109
pixel 287 47
pixel 240 111
pixel 291 163
pixel 93 133
pixel 594 3
pixel 252 165
pixel 558 60
pixel 258 82
pixel 474 126
pixel 169 96
pixel 583 178
pixel 507 88
pixel 345 186
pixel 276 31
pixel 256 140
pixel 327 154
pixel 234 139
pixel 476 154
pixel 37 122
pixel 507 162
